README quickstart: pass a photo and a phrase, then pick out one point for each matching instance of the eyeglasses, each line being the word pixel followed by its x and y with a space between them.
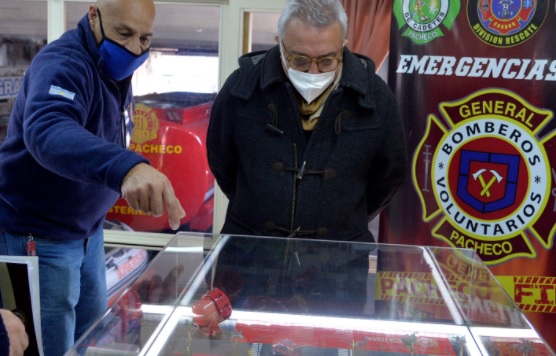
pixel 303 63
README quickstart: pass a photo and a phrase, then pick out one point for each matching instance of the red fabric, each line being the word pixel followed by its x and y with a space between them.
pixel 369 28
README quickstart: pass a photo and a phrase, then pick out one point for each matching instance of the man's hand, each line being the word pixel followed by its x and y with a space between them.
pixel 16 332
pixel 148 190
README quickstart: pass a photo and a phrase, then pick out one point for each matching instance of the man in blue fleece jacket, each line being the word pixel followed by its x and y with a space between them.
pixel 64 163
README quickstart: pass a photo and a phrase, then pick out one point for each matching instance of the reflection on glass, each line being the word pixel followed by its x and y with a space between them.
pixel 276 296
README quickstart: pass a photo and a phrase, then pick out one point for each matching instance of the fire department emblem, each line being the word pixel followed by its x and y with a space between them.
pixel 506 23
pixel 485 182
pixel 422 19
pixel 145 124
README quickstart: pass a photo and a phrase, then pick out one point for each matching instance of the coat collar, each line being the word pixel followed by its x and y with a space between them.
pixel 87 33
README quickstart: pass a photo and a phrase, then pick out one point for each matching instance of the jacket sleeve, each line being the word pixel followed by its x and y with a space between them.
pixel 221 149
pixel 58 128
pixel 388 169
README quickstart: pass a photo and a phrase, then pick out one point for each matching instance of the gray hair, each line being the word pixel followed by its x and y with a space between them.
pixel 316 13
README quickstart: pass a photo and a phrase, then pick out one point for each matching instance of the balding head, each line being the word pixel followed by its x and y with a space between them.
pixel 127 22
pixel 121 7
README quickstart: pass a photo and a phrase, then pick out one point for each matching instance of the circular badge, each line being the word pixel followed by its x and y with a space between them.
pixel 506 23
pixel 422 20
pixel 492 181
pixel 421 16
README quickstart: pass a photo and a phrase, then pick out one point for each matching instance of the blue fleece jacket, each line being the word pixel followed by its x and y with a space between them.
pixel 64 157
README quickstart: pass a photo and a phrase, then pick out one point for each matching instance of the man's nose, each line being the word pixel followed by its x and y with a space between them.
pixel 314 68
pixel 136 47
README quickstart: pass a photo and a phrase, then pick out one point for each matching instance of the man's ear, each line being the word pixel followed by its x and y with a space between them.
pixel 93 21
pixel 277 39
pixel 93 15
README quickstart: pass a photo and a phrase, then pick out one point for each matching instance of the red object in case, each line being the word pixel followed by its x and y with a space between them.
pixel 213 308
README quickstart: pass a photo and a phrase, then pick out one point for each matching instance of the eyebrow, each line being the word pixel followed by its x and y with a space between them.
pixel 305 55
pixel 122 27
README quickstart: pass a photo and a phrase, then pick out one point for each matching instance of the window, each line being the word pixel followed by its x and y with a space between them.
pixel 22 35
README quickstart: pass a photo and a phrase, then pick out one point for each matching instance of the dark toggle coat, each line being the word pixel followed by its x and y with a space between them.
pixel 281 182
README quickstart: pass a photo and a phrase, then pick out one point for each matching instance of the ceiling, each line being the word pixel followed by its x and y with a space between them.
pixel 189 28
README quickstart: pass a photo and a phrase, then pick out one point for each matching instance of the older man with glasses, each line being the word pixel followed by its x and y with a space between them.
pixel 305 139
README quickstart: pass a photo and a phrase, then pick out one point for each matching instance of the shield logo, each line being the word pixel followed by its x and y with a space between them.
pixel 488 181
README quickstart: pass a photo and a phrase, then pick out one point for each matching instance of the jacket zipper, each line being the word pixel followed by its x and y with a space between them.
pixel 121 103
pixel 124 129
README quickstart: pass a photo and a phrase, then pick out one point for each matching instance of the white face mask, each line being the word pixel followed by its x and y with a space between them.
pixel 310 86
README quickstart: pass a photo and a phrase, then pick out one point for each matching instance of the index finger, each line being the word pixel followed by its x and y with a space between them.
pixel 175 210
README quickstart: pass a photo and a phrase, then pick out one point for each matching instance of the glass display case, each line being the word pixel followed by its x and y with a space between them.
pixel 243 295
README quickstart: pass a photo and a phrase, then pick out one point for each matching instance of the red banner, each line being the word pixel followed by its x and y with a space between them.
pixel 474 81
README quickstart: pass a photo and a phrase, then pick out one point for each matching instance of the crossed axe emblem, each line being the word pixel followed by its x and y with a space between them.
pixel 495 178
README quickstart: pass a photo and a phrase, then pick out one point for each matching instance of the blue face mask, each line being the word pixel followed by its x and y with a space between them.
pixel 119 62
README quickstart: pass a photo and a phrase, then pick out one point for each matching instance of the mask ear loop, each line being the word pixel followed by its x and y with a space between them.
pixel 101 27
pixel 282 58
